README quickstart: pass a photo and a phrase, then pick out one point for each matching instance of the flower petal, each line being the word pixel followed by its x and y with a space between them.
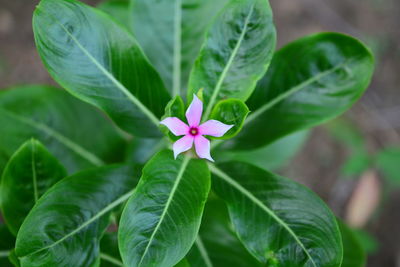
pixel 202 146
pixel 194 112
pixel 182 145
pixel 175 125
pixel 214 128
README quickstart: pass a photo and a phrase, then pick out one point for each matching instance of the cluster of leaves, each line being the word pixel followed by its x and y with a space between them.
pixel 68 207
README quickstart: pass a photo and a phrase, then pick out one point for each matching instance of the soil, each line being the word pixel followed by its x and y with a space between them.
pixel 377 114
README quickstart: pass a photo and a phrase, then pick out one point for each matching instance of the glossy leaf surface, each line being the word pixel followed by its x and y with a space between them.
pixel 171 33
pixel 236 53
pixel 217 244
pixel 353 253
pixel 161 220
pixel 63 124
pixel 29 173
pixel 290 225
pixel 231 112
pixel 309 81
pixel 269 157
pixel 99 62
pixel 65 226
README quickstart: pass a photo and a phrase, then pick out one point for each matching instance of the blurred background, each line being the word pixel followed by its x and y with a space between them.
pixel 353 163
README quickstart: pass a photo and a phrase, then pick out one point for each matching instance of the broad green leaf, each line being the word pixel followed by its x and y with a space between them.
pixel 161 220
pixel 290 225
pixel 7 243
pixel 99 62
pixel 171 33
pixel 29 173
pixel 109 255
pixel 231 112
pixel 74 132
pixel 353 253
pixel 309 81
pixel 269 157
pixel 236 53
pixel 217 244
pixel 388 161
pixel 65 225
pixel 118 10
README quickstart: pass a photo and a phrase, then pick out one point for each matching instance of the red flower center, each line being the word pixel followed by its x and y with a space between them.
pixel 194 131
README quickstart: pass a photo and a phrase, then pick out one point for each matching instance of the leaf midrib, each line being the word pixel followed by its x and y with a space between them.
pixel 292 91
pixel 228 65
pixel 167 204
pixel 79 150
pixel 109 75
pixel 256 201
pixel 86 223
pixel 283 96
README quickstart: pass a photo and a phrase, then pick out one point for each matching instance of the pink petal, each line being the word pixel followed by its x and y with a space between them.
pixel 202 146
pixel 194 112
pixel 214 128
pixel 182 145
pixel 175 125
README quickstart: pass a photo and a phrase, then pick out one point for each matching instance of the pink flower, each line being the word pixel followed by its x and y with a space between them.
pixel 193 133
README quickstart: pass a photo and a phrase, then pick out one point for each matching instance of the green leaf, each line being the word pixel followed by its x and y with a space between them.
pixel 161 220
pixel 109 255
pixel 171 33
pixel 74 132
pixel 7 243
pixel 236 53
pixel 99 62
pixel 353 252
pixel 118 10
pixel 310 81
pixel 269 157
pixel 290 225
pixel 231 112
pixel 29 173
pixel 388 162
pixel 217 244
pixel 65 225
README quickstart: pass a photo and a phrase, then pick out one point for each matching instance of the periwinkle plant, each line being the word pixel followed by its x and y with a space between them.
pixel 68 207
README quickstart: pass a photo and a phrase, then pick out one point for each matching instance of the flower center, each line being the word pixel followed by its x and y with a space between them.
pixel 193 131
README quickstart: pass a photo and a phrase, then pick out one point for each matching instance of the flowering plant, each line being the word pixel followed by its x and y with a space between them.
pixel 136 62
